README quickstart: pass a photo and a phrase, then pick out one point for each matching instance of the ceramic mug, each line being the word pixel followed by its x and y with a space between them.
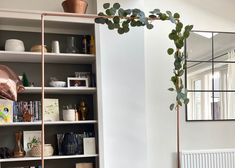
pixel 14 45
pixel 69 115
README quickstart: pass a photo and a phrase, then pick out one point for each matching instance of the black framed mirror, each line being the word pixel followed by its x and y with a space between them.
pixel 210 76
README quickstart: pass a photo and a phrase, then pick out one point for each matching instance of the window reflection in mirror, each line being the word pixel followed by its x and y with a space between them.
pixel 210 76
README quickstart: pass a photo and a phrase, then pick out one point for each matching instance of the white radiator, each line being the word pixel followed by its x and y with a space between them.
pixel 221 158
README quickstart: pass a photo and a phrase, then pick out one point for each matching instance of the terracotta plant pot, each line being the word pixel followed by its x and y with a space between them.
pixel 75 6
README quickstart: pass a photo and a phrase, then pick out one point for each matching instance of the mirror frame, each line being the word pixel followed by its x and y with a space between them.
pixel 212 61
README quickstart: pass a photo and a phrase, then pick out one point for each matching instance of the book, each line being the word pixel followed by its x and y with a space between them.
pixel 51 112
pixel 6 111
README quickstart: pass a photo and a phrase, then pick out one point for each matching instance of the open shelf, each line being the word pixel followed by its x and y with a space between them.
pixel 31 21
pixel 48 123
pixel 60 90
pixel 46 158
pixel 35 57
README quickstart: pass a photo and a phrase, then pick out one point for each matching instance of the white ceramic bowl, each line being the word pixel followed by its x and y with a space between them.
pixel 14 45
pixel 57 83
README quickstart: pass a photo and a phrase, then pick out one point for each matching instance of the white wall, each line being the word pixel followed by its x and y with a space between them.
pixel 161 123
pixel 123 88
pixel 123 92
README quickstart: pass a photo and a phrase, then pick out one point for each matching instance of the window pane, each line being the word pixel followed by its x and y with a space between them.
pixel 199 46
pixel 199 72
pixel 200 106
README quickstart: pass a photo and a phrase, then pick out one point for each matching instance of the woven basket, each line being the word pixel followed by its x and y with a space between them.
pixel 36 150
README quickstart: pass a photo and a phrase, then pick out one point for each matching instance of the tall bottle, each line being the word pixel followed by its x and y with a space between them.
pixel 71 47
pixel 84 45
pixel 92 45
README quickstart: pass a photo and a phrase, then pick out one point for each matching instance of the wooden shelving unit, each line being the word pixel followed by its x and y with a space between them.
pixel 62 64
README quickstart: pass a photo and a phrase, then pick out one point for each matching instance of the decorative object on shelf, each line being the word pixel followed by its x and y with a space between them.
pixel 89 145
pixel 84 165
pixel 10 84
pixel 69 144
pixel 69 114
pixel 54 82
pixel 77 116
pixel 18 150
pixel 5 153
pixel 77 82
pixel 84 45
pixel 93 80
pixel 36 150
pixel 75 6
pixel 55 47
pixel 25 80
pixel 92 45
pixel 38 48
pixel 27 116
pixel 83 110
pixel 30 139
pixel 6 111
pixel 51 112
pixel 71 47
pixel 14 45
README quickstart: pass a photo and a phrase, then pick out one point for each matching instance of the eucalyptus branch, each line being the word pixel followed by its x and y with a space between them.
pixel 121 19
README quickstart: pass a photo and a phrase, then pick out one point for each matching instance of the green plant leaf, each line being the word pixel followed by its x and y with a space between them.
pixel 176 15
pixel 155 11
pixel 106 5
pixel 116 19
pixel 179 27
pixel 121 31
pixel 186 101
pixel 171 89
pixel 181 72
pixel 170 51
pixel 172 106
pixel 101 14
pixel 149 26
pixel 121 12
pixel 116 5
pixel 100 20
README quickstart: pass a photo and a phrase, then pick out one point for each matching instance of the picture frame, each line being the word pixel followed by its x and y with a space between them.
pixel 51 112
pixel 74 82
pixel 31 138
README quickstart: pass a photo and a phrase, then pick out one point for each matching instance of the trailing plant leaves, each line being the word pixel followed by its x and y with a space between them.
pixel 106 5
pixel 176 15
pixel 122 19
pixel 116 19
pixel 149 26
pixel 170 51
pixel 116 5
pixel 172 106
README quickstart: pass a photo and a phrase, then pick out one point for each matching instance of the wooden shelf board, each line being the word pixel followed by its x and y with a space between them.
pixel 60 90
pixel 38 123
pixel 46 158
pixel 35 57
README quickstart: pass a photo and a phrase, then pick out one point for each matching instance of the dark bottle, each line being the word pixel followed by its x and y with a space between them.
pixel 84 45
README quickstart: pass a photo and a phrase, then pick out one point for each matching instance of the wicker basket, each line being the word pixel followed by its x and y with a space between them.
pixel 36 150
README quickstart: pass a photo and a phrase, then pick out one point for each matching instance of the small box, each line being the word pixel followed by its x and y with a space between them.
pixel 84 165
pixel 89 146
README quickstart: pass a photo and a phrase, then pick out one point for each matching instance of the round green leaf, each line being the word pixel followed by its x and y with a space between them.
pixel 108 12
pixel 121 31
pixel 106 5
pixel 116 19
pixel 170 51
pixel 111 26
pixel 149 26
pixel 172 106
pixel 176 15
pixel 116 5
